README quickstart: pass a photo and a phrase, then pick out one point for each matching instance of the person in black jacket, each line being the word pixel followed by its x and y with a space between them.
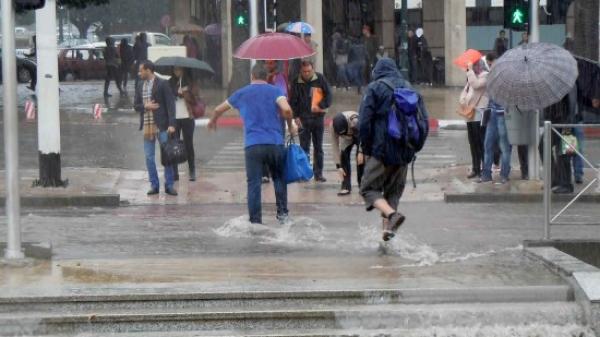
pixel 310 96
pixel 126 53
pixel 113 62
pixel 140 52
pixel 155 102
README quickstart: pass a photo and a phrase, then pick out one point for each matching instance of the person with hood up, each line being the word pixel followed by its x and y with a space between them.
pixel 113 62
pixel 384 177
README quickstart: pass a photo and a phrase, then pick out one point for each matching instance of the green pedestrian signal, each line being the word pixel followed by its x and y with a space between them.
pixel 517 17
pixel 516 14
pixel 241 20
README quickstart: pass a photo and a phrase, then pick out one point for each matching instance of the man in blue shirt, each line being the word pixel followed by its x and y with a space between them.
pixel 263 108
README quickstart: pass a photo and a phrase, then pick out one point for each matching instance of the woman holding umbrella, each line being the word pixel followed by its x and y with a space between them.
pixel 183 86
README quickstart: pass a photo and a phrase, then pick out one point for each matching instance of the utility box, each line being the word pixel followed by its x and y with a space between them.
pixel 519 124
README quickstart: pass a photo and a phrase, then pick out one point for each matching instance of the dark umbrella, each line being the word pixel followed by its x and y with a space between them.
pixel 183 62
pixel 273 46
pixel 214 29
pixel 532 76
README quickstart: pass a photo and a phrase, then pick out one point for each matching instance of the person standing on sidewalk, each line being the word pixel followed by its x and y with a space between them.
pixel 263 108
pixel 126 53
pixel 384 178
pixel 344 136
pixel 474 97
pixel 181 84
pixel 155 103
pixel 310 96
pixel 140 52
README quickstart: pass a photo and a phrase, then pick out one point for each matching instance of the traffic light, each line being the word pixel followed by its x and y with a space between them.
pixel 22 5
pixel 240 19
pixel 516 14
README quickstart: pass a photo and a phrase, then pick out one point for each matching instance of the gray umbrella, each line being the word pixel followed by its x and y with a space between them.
pixel 184 62
pixel 532 76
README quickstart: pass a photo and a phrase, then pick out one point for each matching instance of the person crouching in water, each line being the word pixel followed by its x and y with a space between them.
pixel 344 136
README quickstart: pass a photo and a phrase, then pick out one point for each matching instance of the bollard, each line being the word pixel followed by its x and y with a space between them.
pixel 547 177
pixel 97 111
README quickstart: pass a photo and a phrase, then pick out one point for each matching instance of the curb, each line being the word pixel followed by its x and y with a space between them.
pixel 34 250
pixel 96 200
pixel 513 198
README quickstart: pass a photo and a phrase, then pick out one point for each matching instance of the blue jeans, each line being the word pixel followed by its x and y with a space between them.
pixel 257 157
pixel 149 151
pixel 577 160
pixel 496 133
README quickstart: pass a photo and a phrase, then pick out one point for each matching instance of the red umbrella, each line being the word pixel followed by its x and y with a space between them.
pixel 470 56
pixel 273 46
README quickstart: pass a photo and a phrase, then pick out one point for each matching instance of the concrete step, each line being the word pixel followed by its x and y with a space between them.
pixel 368 317
pixel 183 298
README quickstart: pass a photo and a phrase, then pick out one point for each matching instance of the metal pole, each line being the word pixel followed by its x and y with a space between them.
pixel 11 132
pixel 547 177
pixel 404 57
pixel 266 21
pixel 534 159
pixel 274 15
pixel 253 22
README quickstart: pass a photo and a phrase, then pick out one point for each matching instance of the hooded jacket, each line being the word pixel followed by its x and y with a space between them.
pixel 373 114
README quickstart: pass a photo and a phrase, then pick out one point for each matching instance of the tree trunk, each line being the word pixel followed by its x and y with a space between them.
pixel 586 28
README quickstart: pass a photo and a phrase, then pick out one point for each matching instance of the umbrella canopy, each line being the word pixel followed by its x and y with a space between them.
pixel 300 28
pixel 273 46
pixel 532 76
pixel 187 28
pixel 214 29
pixel 184 62
pixel 470 56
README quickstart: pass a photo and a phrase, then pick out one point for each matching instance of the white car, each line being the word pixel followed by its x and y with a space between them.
pixel 156 39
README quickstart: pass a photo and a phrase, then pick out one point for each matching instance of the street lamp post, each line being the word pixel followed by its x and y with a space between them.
pixel 11 132
pixel 533 154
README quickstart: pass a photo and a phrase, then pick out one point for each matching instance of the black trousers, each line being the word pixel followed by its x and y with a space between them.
pixel 112 73
pixel 522 150
pixel 346 164
pixel 476 136
pixel 185 127
pixel 125 69
pixel 313 130
pixel 561 164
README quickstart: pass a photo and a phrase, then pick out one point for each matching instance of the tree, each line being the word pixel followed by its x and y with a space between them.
pixel 586 28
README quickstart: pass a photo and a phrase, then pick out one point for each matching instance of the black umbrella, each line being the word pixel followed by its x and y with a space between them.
pixel 184 62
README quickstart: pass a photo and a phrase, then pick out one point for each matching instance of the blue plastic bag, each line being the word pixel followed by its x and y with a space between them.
pixel 297 166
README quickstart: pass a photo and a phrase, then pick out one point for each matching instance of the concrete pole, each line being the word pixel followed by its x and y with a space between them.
pixel 11 132
pixel 226 43
pixel 312 13
pixel 534 132
pixel 48 99
pixel 455 39
pixel 253 22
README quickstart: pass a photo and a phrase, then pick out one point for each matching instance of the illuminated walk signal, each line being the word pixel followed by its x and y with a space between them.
pixel 240 18
pixel 516 14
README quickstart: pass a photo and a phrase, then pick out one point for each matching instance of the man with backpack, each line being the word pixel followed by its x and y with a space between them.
pixel 393 128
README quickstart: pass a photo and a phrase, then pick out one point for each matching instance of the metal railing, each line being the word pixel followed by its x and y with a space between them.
pixel 550 220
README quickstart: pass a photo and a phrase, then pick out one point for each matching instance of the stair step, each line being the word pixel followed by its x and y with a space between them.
pixel 173 299
pixel 388 316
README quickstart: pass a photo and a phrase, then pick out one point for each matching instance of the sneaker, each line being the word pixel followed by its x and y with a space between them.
pixel 484 180
pixel 563 190
pixel 473 175
pixel 192 176
pixel 391 227
pixel 171 191
pixel 578 181
pixel 283 219
pixel 320 179
pixel 153 191
pixel 502 181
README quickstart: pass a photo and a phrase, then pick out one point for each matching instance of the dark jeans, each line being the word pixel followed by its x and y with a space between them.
pixel 523 160
pixel 313 130
pixel 186 127
pixel 125 69
pixel 346 164
pixel 476 137
pixel 112 73
pixel 274 157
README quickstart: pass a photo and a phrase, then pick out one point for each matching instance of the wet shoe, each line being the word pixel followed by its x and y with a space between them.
pixel 320 179
pixel 171 191
pixel 484 180
pixel 343 193
pixel 192 176
pixel 563 190
pixel 473 175
pixel 283 219
pixel 578 181
pixel 391 227
pixel 502 181
pixel 153 191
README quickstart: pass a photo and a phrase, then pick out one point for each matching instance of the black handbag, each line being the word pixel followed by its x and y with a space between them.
pixel 173 152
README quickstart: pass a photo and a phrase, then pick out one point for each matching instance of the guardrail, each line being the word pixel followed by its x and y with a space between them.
pixel 550 220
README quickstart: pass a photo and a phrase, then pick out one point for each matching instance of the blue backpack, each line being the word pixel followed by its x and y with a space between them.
pixel 408 121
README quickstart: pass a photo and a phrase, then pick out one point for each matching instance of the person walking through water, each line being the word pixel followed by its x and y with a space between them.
pixel 263 108
pixel 126 53
pixel 384 178
pixel 113 62
pixel 344 137
pixel 182 85
pixel 310 96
